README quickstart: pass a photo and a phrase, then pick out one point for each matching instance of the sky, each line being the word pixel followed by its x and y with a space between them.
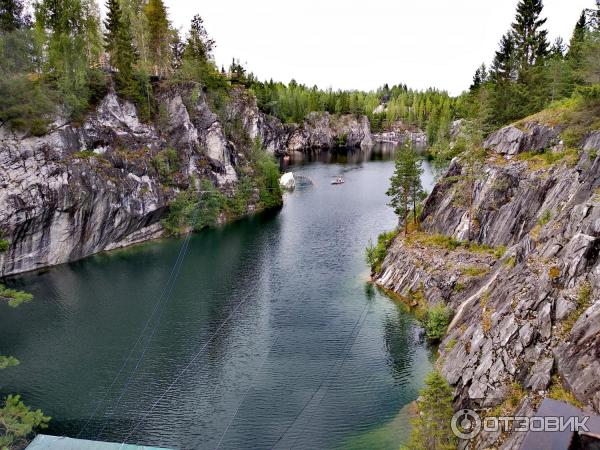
pixel 349 44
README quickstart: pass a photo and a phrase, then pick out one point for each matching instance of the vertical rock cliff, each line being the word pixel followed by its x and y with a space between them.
pixel 526 297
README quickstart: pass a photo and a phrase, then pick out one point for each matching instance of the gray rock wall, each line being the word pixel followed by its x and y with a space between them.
pixel 523 320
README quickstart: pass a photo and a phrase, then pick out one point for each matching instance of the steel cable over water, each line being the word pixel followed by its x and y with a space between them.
pixel 361 321
pixel 159 304
pixel 149 340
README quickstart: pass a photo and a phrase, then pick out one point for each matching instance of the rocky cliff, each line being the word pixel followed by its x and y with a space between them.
pixel 107 182
pixel 318 131
pixel 526 293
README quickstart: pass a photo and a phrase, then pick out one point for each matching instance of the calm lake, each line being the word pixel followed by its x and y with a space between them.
pixel 269 337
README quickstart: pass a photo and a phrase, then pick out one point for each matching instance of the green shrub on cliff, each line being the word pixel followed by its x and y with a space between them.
pixel 436 322
pixel 375 254
pixel 431 428
pixel 4 244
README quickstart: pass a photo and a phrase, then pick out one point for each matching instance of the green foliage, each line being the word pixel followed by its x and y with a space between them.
pixel 431 109
pixel 267 177
pixel 431 428
pixel 166 163
pixel 406 190
pixel 558 392
pixel 583 302
pixel 451 344
pixel 8 361
pixel 436 322
pixel 451 244
pixel 474 271
pixel 17 422
pixel 13 15
pixel 14 297
pixel 195 209
pixel 545 218
pixel 527 74
pixel 375 254
pixel 69 30
pixel 159 37
pixel 4 244
pixel 84 154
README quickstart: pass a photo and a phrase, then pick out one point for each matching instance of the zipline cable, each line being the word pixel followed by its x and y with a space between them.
pixel 330 381
pixel 149 340
pixel 180 256
pixel 360 319
pixel 243 400
pixel 189 364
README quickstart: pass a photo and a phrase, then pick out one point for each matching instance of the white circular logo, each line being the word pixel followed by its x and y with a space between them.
pixel 466 424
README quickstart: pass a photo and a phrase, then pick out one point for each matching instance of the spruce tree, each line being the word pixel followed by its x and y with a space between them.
pixel 112 24
pixel 124 57
pixel 199 45
pixel 159 36
pixel 12 16
pixel 503 66
pixel 530 39
pixel 574 55
pixel 432 426
pixel 405 190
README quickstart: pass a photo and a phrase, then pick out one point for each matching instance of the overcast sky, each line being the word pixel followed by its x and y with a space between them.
pixel 351 44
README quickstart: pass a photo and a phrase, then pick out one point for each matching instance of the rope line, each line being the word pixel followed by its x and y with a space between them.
pixel 189 364
pixel 331 380
pixel 131 351
pixel 243 399
pixel 360 319
pixel 170 285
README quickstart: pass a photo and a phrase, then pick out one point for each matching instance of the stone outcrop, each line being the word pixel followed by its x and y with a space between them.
pixel 319 131
pixel 401 133
pixel 531 316
pixel 511 140
pixel 82 189
pixel 108 182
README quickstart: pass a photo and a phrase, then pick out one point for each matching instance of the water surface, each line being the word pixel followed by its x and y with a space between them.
pixel 283 342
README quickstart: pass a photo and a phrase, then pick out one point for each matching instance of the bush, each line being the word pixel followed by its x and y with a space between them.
pixel 431 428
pixel 195 209
pixel 166 163
pixel 436 322
pixel 17 422
pixel 4 244
pixel 375 254
pixel 267 177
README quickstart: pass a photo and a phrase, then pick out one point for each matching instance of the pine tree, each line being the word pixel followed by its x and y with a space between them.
pixel 13 16
pixel 406 191
pixel 503 66
pixel 159 36
pixel 199 45
pixel 112 24
pixel 432 426
pixel 531 41
pixel 124 56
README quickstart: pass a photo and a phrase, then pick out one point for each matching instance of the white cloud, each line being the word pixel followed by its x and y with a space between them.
pixel 352 44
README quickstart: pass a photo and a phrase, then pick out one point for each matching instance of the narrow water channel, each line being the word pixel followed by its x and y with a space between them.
pixel 289 345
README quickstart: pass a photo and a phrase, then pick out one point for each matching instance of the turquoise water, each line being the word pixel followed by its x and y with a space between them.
pixel 283 341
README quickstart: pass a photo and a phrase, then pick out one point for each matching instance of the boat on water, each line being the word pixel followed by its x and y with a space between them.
pixel 337 180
